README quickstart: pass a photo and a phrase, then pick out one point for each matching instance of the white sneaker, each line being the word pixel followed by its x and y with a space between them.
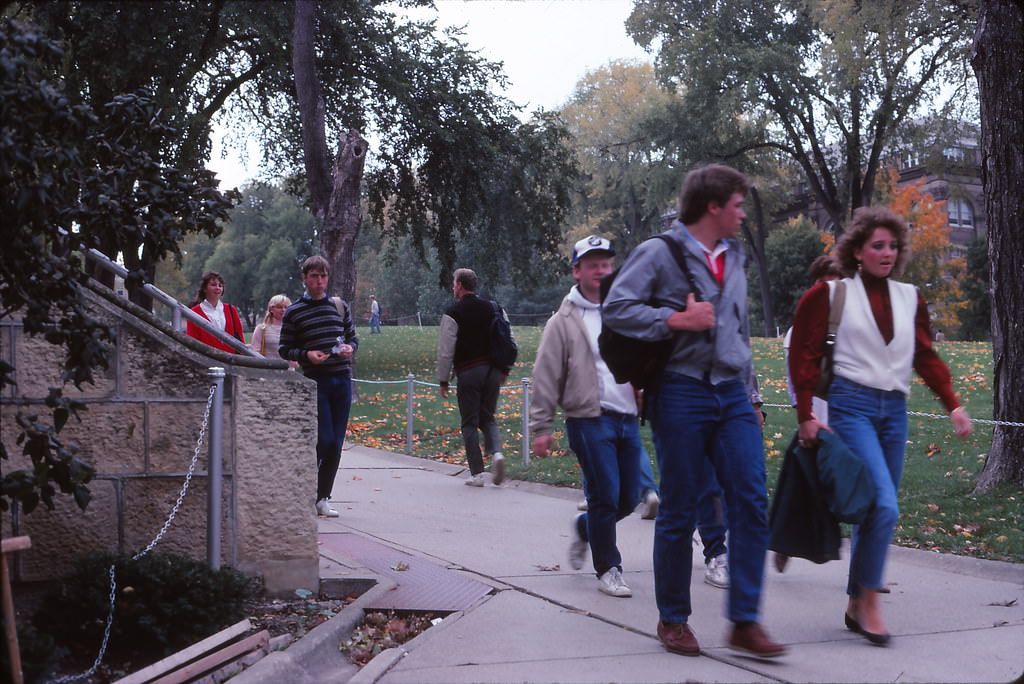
pixel 649 507
pixel 582 505
pixel 577 547
pixel 716 572
pixel 498 467
pixel 323 507
pixel 476 481
pixel 611 583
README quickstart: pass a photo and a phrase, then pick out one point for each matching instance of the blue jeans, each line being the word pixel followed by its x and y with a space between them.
pixel 333 402
pixel 711 517
pixel 698 426
pixel 873 425
pixel 477 392
pixel 710 512
pixel 609 452
pixel 374 323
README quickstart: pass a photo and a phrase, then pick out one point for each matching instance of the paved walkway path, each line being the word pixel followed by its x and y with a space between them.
pixel 953 619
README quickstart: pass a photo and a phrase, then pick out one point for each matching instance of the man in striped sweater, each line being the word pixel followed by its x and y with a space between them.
pixel 318 332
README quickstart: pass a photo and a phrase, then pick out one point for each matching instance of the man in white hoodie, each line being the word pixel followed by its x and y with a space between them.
pixel 600 415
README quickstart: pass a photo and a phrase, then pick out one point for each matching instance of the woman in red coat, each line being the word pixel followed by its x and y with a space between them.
pixel 207 304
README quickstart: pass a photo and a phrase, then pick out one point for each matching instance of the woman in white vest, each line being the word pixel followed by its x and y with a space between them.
pixel 883 334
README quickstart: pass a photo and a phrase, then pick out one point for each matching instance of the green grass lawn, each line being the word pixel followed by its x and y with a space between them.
pixel 939 510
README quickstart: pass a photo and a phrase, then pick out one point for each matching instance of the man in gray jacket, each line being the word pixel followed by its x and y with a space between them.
pixel 600 415
pixel 701 412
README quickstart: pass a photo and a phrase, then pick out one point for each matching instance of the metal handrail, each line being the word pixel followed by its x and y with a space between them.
pixel 177 308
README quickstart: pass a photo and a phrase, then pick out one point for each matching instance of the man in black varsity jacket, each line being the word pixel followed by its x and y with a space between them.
pixel 464 343
pixel 318 332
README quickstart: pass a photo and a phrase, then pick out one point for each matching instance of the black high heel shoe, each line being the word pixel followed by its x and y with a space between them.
pixel 875 638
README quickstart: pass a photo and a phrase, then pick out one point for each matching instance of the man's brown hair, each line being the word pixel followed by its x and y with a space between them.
pixel 315 263
pixel 712 183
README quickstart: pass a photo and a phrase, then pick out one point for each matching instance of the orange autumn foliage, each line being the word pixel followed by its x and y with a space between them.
pixel 935 267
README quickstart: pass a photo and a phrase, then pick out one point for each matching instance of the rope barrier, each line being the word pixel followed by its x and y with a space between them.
pixel 919 414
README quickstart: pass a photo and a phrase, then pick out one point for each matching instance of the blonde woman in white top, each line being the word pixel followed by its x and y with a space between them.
pixel 267 336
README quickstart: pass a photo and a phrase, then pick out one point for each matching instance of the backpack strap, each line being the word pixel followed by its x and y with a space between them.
pixel 835 315
pixel 341 306
pixel 680 257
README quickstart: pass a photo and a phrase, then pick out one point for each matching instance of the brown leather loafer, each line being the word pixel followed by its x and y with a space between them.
pixel 752 639
pixel 678 638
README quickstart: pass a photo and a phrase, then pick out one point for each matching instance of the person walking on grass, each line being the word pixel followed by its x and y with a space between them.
pixel 600 416
pixel 318 332
pixel 464 348
pixel 374 315
pixel 701 413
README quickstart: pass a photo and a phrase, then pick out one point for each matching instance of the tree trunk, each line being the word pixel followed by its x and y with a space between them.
pixel 344 216
pixel 998 61
pixel 334 192
pixel 757 240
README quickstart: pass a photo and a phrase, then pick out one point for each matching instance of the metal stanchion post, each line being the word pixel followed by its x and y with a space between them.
pixel 526 422
pixel 408 412
pixel 215 470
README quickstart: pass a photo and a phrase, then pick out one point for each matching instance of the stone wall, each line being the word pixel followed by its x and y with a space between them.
pixel 139 432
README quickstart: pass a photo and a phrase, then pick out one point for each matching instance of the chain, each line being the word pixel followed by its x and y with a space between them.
pixel 159 535
pixel 188 478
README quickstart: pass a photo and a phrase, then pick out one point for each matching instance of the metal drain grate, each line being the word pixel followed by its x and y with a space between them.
pixel 421 585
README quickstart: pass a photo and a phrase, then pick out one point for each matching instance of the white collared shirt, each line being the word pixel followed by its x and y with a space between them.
pixel 215 313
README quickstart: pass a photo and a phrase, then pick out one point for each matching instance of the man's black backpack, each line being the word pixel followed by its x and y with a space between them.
pixel 632 360
pixel 503 348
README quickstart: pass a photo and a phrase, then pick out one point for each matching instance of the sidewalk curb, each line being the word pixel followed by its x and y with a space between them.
pixel 310 657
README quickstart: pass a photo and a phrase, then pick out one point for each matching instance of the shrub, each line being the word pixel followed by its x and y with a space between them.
pixel 163 603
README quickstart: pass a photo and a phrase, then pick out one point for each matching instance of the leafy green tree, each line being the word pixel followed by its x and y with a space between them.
pixel 626 184
pixel 826 83
pixel 63 168
pixel 261 248
pixel 976 319
pixel 789 251
pixel 451 158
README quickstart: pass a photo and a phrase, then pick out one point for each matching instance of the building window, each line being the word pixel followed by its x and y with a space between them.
pixel 954 154
pixel 910 158
pixel 961 213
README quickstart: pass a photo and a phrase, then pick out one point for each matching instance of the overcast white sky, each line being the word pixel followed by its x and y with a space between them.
pixel 546 47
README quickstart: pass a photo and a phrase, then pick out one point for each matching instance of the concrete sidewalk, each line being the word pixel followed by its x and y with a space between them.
pixel 953 619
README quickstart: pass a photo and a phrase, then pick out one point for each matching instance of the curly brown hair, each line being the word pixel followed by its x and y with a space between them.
pixel 865 221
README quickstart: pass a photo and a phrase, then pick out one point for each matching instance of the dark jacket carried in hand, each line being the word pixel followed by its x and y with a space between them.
pixel 818 489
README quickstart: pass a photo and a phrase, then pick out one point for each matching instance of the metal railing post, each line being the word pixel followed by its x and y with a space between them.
pixel 215 470
pixel 526 422
pixel 408 412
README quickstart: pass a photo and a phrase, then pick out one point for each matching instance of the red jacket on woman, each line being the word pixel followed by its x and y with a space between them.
pixel 233 328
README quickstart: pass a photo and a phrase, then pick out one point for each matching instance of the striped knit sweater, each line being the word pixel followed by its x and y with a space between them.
pixel 315 324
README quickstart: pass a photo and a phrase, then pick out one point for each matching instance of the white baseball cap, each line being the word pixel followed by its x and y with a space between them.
pixel 590 244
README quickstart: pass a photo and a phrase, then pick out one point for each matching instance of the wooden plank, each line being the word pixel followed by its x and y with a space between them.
pixel 176 660
pixel 260 640
pixel 15 544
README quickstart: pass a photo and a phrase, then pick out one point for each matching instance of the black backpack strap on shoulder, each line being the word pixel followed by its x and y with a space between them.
pixel 680 257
